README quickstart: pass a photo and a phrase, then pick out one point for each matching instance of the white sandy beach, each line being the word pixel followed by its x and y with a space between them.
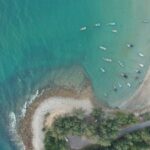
pixel 54 106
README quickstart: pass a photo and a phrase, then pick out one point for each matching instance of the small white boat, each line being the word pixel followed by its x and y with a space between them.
pixel 102 70
pixel 140 54
pixel 103 48
pixel 120 63
pixel 112 23
pixel 120 85
pixel 146 21
pixel 107 59
pixel 114 31
pixel 83 28
pixel 97 25
pixel 128 84
pixel 141 65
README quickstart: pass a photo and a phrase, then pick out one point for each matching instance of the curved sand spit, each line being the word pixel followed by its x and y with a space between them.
pixel 58 106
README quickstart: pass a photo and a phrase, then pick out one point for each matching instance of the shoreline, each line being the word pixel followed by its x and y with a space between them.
pixel 32 124
pixel 81 98
pixel 140 99
pixel 54 105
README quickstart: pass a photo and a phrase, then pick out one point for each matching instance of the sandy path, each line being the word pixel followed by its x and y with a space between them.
pixel 58 105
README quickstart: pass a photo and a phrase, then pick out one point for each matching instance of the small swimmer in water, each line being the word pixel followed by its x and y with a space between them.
pixel 138 71
pixel 124 75
pixel 115 89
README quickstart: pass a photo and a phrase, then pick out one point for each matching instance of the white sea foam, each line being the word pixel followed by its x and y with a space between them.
pixel 33 97
pixel 13 121
pixel 13 131
pixel 23 111
pixel 28 103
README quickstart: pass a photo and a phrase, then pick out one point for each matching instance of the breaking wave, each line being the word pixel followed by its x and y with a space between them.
pixel 13 131
pixel 28 103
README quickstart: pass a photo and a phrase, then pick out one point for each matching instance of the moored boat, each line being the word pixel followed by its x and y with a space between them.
pixel 83 28
pixel 129 84
pixel 141 65
pixel 114 31
pixel 97 25
pixel 107 59
pixel 140 54
pixel 111 23
pixel 103 48
pixel 102 70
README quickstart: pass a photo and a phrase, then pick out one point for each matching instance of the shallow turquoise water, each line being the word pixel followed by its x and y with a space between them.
pixel 40 36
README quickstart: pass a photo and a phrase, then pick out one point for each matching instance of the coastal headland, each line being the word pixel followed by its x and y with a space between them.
pixel 56 101
pixel 59 101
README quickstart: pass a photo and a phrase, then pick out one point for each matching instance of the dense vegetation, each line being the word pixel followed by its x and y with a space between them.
pixel 100 127
pixel 139 140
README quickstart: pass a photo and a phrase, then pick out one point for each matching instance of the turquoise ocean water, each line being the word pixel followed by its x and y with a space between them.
pixel 38 37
